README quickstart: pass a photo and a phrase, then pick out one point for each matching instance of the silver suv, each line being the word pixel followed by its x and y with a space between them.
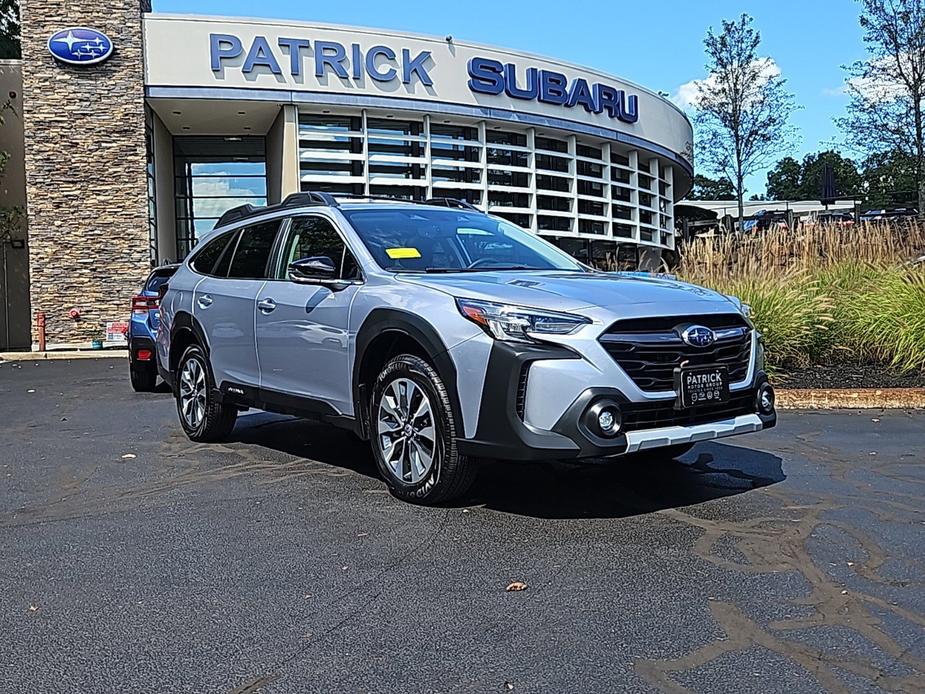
pixel 442 335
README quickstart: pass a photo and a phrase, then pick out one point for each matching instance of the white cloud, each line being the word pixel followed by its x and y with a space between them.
pixel 687 94
pixel 885 85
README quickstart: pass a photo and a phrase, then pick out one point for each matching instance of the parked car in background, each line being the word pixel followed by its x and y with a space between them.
pixel 443 335
pixel 844 220
pixel 895 214
pixel 142 330
pixel 763 220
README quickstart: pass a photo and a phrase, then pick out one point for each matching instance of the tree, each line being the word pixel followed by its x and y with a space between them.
pixel 784 180
pixel 706 188
pixel 885 114
pixel 848 181
pixel 9 29
pixel 793 180
pixel 742 108
pixel 889 180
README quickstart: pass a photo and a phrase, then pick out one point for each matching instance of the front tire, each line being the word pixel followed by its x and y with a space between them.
pixel 413 434
pixel 202 417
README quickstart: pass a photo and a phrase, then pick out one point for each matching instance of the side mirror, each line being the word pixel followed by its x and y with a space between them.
pixel 318 269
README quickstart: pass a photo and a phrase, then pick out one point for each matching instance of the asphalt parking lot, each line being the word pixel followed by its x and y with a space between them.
pixel 135 560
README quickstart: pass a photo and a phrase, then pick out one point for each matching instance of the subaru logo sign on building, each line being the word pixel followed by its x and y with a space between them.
pixel 698 336
pixel 80 46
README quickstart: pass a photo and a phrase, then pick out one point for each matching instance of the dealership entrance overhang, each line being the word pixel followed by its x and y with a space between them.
pixel 252 110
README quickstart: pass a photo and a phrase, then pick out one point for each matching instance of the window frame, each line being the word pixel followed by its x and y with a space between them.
pixel 283 238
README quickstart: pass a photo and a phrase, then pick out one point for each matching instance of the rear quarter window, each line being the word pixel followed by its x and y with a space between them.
pixel 204 260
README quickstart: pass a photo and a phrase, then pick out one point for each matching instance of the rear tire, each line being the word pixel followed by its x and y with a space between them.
pixel 143 376
pixel 413 434
pixel 202 417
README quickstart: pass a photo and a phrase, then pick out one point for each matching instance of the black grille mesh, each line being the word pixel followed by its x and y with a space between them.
pixel 649 349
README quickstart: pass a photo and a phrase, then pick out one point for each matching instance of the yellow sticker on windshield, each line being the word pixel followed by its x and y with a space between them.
pixel 402 253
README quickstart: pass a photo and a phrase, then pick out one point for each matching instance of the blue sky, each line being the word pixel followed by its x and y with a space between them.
pixel 658 44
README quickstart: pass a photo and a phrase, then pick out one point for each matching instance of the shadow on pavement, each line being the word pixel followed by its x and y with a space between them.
pixel 621 487
pixel 607 488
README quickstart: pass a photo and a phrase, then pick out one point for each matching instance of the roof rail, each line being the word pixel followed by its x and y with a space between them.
pixel 310 198
pixel 318 198
pixel 236 213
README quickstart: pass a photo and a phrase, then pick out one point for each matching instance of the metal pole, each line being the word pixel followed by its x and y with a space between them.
pixel 40 324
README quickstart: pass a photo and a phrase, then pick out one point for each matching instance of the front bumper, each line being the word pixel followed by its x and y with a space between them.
pixel 504 429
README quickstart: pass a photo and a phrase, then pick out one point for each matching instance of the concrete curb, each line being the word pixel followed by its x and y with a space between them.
pixel 851 399
pixel 64 354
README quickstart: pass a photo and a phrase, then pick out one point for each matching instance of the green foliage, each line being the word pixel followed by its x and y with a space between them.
pixel 784 180
pixel 793 180
pixel 826 295
pixel 793 315
pixel 890 317
pixel 9 29
pixel 706 188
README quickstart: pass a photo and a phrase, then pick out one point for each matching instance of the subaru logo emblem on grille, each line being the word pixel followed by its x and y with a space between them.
pixel 698 336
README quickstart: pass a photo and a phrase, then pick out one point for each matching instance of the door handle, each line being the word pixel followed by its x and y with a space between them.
pixel 204 301
pixel 266 305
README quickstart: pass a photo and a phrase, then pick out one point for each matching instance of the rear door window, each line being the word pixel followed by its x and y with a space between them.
pixel 252 255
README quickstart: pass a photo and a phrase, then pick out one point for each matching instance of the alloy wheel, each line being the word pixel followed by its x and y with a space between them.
pixel 193 393
pixel 405 426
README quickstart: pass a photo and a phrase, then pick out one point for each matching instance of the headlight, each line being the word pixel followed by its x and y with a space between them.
pixel 516 323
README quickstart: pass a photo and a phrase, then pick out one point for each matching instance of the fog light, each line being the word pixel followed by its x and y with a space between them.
pixel 608 421
pixel 765 399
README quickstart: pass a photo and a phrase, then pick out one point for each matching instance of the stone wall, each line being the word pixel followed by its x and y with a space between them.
pixel 85 168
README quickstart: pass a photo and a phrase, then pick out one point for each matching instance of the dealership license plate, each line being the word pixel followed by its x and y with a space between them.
pixel 701 385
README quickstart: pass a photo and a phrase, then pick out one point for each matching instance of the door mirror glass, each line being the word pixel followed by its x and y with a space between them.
pixel 314 269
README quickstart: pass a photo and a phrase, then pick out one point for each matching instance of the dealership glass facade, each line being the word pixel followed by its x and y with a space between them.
pixel 551 182
pixel 212 175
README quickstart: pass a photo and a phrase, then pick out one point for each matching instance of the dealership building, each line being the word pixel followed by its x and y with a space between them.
pixel 140 129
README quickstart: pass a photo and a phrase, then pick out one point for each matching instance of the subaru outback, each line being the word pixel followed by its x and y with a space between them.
pixel 444 335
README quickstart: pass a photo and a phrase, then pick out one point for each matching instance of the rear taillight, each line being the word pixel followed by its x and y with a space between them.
pixel 143 304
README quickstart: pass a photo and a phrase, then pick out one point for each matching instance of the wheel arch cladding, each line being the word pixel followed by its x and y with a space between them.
pixel 387 332
pixel 185 331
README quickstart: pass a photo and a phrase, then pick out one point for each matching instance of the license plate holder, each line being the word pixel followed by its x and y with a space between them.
pixel 697 386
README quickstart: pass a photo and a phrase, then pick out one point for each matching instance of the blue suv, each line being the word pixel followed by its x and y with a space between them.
pixel 142 329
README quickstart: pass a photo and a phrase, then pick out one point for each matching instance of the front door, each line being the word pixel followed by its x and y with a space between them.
pixel 302 329
pixel 225 305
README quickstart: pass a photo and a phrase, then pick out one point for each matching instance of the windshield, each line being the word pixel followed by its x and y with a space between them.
pixel 435 240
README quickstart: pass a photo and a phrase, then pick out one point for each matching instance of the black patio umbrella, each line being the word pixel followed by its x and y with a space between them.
pixel 828 185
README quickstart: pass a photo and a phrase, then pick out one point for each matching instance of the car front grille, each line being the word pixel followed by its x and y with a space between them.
pixel 653 415
pixel 650 349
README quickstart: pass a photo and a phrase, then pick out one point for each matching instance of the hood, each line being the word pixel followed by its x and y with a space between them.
pixel 567 291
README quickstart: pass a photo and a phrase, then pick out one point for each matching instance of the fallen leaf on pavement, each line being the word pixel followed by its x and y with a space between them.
pixel 516 586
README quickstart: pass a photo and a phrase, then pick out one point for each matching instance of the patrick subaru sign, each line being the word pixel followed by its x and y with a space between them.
pixel 80 46
pixel 326 59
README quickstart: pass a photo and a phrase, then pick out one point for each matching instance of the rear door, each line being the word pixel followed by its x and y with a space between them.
pixel 224 304
pixel 302 329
